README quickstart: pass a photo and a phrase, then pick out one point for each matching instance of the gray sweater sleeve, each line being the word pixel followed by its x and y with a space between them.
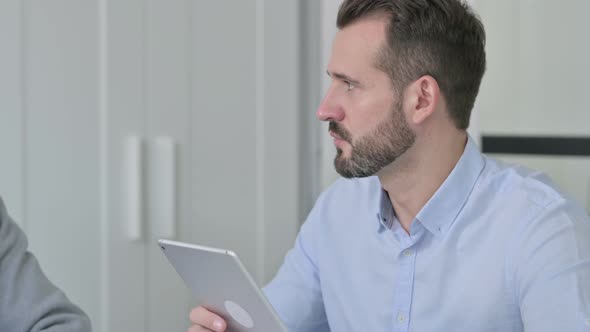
pixel 28 300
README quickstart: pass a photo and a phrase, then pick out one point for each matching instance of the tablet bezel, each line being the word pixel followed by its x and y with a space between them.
pixel 226 261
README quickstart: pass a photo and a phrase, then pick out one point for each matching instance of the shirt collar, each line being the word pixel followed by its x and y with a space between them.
pixel 443 207
pixel 385 214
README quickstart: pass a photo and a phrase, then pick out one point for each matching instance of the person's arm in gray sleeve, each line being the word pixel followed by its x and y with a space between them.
pixel 28 300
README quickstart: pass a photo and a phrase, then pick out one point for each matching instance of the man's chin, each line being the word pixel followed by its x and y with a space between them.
pixel 346 170
pixel 349 175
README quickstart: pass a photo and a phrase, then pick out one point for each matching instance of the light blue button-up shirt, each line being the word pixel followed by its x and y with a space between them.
pixel 497 248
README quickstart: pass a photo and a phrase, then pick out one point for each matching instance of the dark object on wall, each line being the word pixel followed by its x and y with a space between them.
pixel 537 145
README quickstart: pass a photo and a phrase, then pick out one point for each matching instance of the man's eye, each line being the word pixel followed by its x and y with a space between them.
pixel 349 86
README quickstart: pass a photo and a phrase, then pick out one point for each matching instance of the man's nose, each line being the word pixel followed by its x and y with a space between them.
pixel 330 109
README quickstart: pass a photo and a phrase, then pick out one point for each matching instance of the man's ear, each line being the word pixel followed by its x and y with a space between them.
pixel 422 97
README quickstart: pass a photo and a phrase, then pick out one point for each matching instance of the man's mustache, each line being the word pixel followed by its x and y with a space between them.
pixel 338 130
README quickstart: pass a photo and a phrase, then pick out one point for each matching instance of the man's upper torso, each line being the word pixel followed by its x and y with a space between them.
pixel 496 248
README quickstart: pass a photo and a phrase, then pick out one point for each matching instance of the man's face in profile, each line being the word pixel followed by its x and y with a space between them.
pixel 366 116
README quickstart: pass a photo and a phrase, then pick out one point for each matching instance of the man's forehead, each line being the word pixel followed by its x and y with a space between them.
pixel 366 32
pixel 358 44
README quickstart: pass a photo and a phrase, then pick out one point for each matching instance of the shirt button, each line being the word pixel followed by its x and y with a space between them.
pixel 407 253
pixel 401 318
pixel 588 322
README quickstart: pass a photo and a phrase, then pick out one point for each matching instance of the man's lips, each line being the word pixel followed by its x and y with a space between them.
pixel 338 141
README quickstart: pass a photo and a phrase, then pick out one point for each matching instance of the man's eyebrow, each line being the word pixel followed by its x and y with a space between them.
pixel 342 77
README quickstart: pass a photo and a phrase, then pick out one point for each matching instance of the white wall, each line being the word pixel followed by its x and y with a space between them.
pixel 221 79
pixel 537 80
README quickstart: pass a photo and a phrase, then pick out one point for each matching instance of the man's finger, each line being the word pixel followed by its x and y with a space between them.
pixel 205 318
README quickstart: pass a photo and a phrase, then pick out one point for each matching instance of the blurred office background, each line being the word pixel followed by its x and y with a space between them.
pixel 125 121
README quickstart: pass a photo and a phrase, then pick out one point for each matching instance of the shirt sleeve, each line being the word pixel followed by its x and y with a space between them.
pixel 553 271
pixel 28 300
pixel 295 292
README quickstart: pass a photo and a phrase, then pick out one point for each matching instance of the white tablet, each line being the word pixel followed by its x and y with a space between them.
pixel 222 285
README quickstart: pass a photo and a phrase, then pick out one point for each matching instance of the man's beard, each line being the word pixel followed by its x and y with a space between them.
pixel 372 152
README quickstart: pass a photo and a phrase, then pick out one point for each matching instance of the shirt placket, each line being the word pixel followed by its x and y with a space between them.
pixel 405 284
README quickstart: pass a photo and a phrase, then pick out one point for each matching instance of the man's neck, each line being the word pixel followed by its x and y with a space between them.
pixel 413 179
